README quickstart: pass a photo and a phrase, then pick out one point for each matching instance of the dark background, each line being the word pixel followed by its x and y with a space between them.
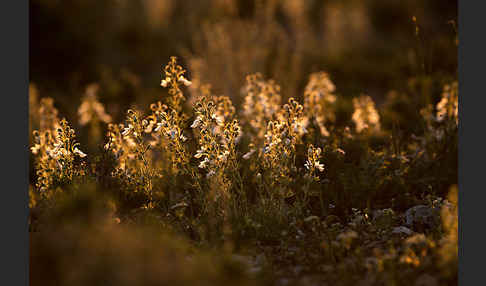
pixel 366 46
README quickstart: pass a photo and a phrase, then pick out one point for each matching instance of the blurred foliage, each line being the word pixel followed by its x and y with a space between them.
pixel 365 46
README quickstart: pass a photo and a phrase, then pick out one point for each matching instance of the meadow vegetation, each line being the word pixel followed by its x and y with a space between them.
pixel 281 181
pixel 234 177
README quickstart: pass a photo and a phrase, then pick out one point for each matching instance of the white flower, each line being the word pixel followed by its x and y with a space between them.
pixel 247 155
pixel 223 156
pixel 127 130
pixel 204 163
pixel 219 119
pixel 196 122
pixel 185 81
pixel 165 82
pixel 319 166
pixel 79 153
pixel 35 149
pixel 199 153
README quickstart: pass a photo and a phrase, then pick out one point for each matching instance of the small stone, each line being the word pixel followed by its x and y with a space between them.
pixel 402 230
pixel 422 215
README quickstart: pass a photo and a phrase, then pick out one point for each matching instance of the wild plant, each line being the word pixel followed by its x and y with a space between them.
pixel 57 158
pixel 170 124
pixel 48 116
pixel 279 151
pixel 312 163
pixel 365 116
pixel 319 101
pixel 128 144
pixel 92 112
pixel 447 108
pixel 44 116
pixel 174 76
pixel 441 125
pixel 217 139
pixel 261 104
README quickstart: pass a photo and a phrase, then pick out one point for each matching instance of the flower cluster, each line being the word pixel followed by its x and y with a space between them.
pixel 127 142
pixel 218 132
pixel 312 163
pixel 56 156
pixel 319 101
pixel 169 125
pixel 447 108
pixel 91 110
pixel 119 146
pixel 218 137
pixel 262 102
pixel 174 75
pixel 48 115
pixel 365 115
pixel 281 138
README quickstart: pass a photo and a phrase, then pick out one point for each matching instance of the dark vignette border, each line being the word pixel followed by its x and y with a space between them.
pixel 14 160
pixel 472 153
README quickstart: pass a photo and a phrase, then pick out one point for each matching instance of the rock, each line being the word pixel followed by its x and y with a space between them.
pixel 402 230
pixel 383 218
pixel 422 216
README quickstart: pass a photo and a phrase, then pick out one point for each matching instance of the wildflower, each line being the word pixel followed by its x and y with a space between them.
pixel 247 155
pixel 217 138
pixel 174 74
pixel 365 115
pixel 196 122
pixel 204 163
pixel 127 130
pixel 56 155
pixel 48 116
pixel 169 125
pixel 79 153
pixel 448 105
pixel 165 82
pixel 280 140
pixel 91 109
pixel 319 101
pixel 184 80
pixel 312 163
pixel 261 104
pixel 132 152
